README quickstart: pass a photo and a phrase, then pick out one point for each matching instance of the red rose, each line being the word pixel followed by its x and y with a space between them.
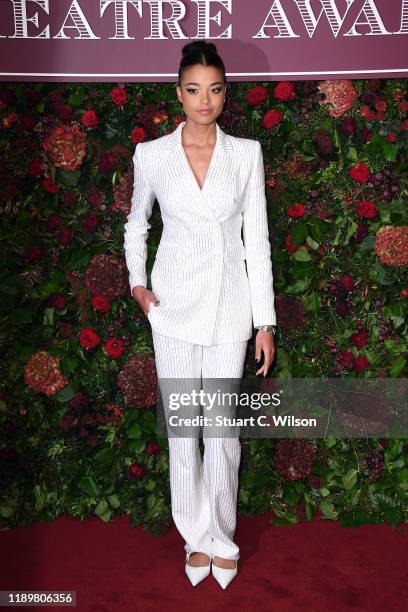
pixel 36 167
pixel 66 112
pixel 285 90
pixel 49 185
pixel 296 210
pixel 64 236
pixel 360 172
pixel 348 125
pixel 152 448
pixel 359 340
pixel 137 470
pixel 138 135
pixel 58 301
pixel 366 209
pixel 90 222
pixel 256 95
pixel 404 125
pixel 381 105
pixel 90 119
pixel 391 137
pixel 52 222
pixel 100 303
pixel 33 253
pixel 346 282
pixel 114 347
pixel 119 96
pixel 346 360
pixel 88 338
pixel 404 293
pixel 272 118
pixel 65 329
pixel 361 363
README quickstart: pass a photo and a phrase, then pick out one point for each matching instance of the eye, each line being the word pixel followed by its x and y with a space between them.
pixel 191 89
pixel 216 89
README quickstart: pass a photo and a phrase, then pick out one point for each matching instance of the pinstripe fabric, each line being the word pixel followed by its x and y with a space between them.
pixel 203 492
pixel 207 293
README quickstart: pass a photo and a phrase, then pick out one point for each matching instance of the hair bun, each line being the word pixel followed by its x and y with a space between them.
pixel 198 45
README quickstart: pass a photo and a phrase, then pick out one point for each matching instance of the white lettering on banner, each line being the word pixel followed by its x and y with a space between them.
pixel 329 7
pixel 281 23
pixel 21 20
pixel 80 23
pixel 157 20
pixel 121 16
pixel 373 19
pixel 276 20
pixel 204 18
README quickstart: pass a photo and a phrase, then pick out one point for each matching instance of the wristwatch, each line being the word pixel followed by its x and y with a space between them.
pixel 269 328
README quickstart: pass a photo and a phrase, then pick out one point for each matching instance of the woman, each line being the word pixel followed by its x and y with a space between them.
pixel 204 300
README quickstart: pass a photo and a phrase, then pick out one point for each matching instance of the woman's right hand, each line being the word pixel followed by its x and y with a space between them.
pixel 143 297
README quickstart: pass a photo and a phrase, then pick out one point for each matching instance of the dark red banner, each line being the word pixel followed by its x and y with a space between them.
pixel 259 40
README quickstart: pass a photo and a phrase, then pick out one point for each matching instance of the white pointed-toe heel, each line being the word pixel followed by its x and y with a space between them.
pixel 223 575
pixel 196 574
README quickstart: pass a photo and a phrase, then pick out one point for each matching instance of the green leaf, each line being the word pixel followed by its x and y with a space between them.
pixel 101 508
pixel 318 229
pixel 105 457
pixel 397 367
pixel 48 318
pixel 107 516
pixel 350 479
pixel 69 178
pixel 114 501
pixel 312 302
pixel 66 394
pixel 367 244
pixel 299 286
pixel 137 446
pixel 298 233
pixel 76 99
pixel 88 484
pixel 68 365
pixel 134 431
pixel 150 485
pixel 327 508
pixel 390 151
pixel 40 496
pixel 302 254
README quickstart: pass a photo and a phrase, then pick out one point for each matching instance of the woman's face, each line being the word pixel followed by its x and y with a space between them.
pixel 202 88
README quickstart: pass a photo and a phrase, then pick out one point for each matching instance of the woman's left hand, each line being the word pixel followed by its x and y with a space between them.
pixel 265 341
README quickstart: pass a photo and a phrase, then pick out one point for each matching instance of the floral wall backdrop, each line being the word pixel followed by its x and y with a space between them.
pixel 78 388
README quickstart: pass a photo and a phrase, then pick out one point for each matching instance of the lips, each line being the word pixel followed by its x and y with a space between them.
pixel 204 111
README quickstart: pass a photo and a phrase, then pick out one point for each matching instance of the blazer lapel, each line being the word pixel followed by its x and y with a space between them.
pixel 217 173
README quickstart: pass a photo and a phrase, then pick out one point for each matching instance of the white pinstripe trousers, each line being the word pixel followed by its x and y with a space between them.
pixel 203 492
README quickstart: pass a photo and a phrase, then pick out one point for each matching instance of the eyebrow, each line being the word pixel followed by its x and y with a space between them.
pixel 216 83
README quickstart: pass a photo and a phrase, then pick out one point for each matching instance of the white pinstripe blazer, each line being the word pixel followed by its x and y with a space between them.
pixel 207 294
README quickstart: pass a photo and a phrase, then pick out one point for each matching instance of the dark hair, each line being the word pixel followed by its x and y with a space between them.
pixel 200 52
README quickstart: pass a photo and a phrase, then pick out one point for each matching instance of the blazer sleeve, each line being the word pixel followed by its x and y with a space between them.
pixel 257 245
pixel 137 226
